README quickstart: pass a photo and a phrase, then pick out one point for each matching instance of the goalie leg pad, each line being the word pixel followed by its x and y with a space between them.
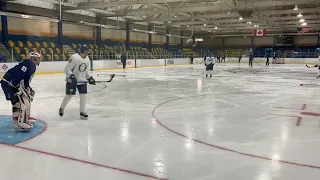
pixel 20 117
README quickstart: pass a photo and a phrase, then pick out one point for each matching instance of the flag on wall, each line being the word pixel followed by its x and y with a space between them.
pixel 304 29
pixel 259 32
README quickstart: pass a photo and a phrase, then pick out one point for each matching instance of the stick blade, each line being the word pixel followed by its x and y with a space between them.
pixel 112 76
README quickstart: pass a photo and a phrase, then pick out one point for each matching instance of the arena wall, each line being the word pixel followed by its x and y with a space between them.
pixel 20 26
pixel 306 40
pixel 286 60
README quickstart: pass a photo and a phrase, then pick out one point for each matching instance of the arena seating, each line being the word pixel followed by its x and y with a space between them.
pixel 187 52
pixel 114 52
pixel 48 50
pixel 234 52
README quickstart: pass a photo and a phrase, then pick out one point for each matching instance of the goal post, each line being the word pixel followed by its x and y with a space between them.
pixel 280 61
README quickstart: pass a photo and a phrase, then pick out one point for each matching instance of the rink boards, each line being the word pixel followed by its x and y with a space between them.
pixel 58 66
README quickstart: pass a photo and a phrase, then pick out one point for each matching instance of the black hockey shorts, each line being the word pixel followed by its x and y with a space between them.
pixel 9 92
pixel 71 88
pixel 124 64
pixel 209 67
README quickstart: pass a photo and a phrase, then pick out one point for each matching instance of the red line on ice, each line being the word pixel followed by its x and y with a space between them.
pixel 84 161
pixel 220 147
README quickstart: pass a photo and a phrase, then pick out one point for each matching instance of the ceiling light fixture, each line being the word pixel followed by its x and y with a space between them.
pixel 249 22
pixel 205 25
pixel 296 8
pixel 304 24
pixel 301 20
pixel 240 18
pixel 216 27
pixel 229 12
pixel 299 15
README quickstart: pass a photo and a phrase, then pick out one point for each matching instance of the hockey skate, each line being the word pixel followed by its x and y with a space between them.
pixel 83 115
pixel 21 126
pixel 32 120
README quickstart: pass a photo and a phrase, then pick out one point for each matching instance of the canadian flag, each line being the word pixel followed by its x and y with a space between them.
pixel 259 32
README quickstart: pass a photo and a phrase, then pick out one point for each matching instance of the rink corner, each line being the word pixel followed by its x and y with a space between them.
pixel 9 136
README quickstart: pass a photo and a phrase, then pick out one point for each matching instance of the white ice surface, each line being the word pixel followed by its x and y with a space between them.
pixel 228 120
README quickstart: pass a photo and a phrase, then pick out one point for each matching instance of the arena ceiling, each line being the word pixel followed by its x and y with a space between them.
pixel 206 17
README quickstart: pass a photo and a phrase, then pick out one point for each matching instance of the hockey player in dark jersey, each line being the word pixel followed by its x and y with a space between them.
pixel 16 87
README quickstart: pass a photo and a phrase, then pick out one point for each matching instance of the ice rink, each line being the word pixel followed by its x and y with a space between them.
pixel 172 123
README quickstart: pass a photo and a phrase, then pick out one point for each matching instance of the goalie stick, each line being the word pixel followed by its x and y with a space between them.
pixel 2 79
pixel 17 87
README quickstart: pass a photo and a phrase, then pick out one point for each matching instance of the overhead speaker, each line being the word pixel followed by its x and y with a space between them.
pixel 246 13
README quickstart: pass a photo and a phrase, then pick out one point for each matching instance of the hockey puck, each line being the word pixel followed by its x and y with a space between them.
pixel 300 84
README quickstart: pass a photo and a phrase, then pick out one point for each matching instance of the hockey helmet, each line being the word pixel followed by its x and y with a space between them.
pixel 35 57
pixel 84 49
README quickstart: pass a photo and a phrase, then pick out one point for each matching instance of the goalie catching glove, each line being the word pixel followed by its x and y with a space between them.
pixel 91 81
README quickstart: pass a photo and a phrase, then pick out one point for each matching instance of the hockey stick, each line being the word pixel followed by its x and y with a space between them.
pixel 16 87
pixel 197 61
pixel 112 76
pixel 311 66
pixel 9 83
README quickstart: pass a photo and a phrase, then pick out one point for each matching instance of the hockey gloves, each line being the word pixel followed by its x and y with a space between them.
pixel 31 93
pixel 72 79
pixel 91 81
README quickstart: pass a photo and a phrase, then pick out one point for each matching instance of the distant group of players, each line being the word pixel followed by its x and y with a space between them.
pixel 16 86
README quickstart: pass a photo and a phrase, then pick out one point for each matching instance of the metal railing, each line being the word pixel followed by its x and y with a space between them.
pixel 310 53
pixel 162 55
pixel 108 55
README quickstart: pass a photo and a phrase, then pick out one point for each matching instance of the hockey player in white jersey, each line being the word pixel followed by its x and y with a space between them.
pixel 209 66
pixel 77 78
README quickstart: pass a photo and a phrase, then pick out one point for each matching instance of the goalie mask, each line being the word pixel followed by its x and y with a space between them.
pixel 35 57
